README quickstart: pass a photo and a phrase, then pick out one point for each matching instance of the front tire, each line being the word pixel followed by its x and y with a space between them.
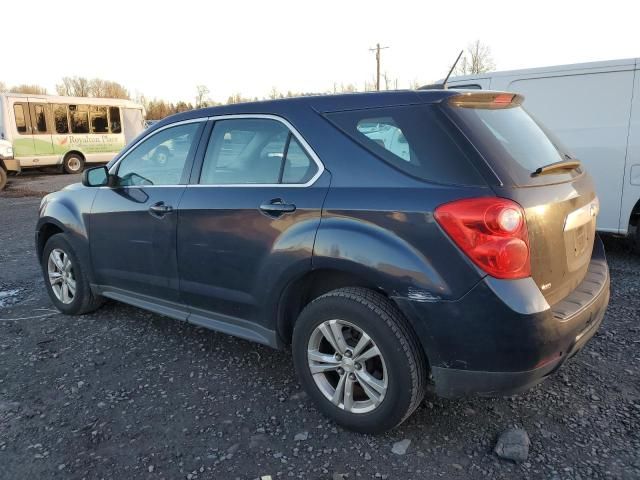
pixel 3 178
pixel 358 359
pixel 65 280
pixel 73 163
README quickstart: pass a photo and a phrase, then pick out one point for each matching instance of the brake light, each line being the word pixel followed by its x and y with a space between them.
pixel 503 99
pixel 491 231
pixel 485 100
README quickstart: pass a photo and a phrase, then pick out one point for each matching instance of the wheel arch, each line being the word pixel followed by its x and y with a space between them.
pixel 74 152
pixel 315 283
pixel 46 230
pixel 304 289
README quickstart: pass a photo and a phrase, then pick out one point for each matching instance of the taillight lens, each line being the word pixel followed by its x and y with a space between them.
pixel 491 231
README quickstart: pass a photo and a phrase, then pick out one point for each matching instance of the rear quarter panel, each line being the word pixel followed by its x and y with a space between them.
pixel 389 236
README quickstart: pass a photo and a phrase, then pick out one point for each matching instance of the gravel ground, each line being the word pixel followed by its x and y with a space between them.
pixel 123 393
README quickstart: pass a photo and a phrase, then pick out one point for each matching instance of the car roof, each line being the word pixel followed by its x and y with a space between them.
pixel 319 103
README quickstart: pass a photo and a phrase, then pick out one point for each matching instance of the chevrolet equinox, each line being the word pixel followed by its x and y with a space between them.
pixel 391 240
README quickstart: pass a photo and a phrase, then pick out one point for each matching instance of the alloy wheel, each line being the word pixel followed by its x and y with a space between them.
pixel 347 366
pixel 61 276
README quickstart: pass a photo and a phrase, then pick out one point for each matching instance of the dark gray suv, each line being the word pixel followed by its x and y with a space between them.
pixel 390 239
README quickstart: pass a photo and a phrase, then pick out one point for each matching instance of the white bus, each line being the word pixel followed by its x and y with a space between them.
pixel 45 130
pixel 594 109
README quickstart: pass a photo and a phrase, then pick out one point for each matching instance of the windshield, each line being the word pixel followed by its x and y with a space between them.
pixel 513 142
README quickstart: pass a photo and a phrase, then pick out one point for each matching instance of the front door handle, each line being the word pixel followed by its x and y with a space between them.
pixel 160 209
pixel 277 207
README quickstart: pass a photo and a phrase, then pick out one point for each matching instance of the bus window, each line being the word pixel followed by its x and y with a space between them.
pixel 21 123
pixel 98 116
pixel 60 118
pixel 79 118
pixel 114 120
pixel 39 118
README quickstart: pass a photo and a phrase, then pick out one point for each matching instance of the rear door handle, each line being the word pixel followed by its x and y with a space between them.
pixel 160 209
pixel 277 207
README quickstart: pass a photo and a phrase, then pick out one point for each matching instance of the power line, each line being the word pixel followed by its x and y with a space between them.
pixel 377 50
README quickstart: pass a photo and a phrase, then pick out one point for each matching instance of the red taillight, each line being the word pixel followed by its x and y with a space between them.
pixel 503 99
pixel 491 231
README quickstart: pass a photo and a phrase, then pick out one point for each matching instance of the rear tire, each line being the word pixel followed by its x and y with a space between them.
pixel 3 178
pixel 65 280
pixel 379 390
pixel 73 163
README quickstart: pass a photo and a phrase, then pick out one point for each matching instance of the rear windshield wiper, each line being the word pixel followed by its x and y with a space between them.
pixel 562 165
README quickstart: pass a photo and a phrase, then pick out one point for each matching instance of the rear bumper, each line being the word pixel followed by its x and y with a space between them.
pixel 502 337
pixel 451 382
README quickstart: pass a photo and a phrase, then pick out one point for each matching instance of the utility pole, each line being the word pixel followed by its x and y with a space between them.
pixel 377 50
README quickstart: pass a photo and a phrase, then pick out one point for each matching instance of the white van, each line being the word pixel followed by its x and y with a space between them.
pixel 45 130
pixel 594 109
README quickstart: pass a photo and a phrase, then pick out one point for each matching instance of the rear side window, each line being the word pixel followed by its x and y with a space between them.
pixel 79 118
pixel 98 117
pixel 417 140
pixel 60 118
pixel 114 119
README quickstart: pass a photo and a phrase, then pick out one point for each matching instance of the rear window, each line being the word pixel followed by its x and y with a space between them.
pixel 418 140
pixel 513 143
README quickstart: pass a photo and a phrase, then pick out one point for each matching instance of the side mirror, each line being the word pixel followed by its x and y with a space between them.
pixel 96 177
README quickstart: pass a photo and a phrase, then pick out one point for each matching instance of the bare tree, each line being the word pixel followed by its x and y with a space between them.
pixel 274 94
pixel 32 89
pixel 3 87
pixel 476 59
pixel 107 89
pixel 74 87
pixel 389 83
pixel 201 96
pixel 387 80
pixel 414 84
pixel 348 88
pixel 95 87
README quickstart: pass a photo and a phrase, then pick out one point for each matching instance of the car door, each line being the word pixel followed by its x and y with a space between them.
pixel 133 223
pixel 23 146
pixel 249 221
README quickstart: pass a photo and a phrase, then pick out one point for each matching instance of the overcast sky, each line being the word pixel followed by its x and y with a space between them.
pixel 165 49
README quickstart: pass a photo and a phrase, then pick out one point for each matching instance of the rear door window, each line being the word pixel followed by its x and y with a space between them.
pixel 418 140
pixel 255 151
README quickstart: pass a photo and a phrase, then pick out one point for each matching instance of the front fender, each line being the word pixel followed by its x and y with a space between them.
pixel 68 211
